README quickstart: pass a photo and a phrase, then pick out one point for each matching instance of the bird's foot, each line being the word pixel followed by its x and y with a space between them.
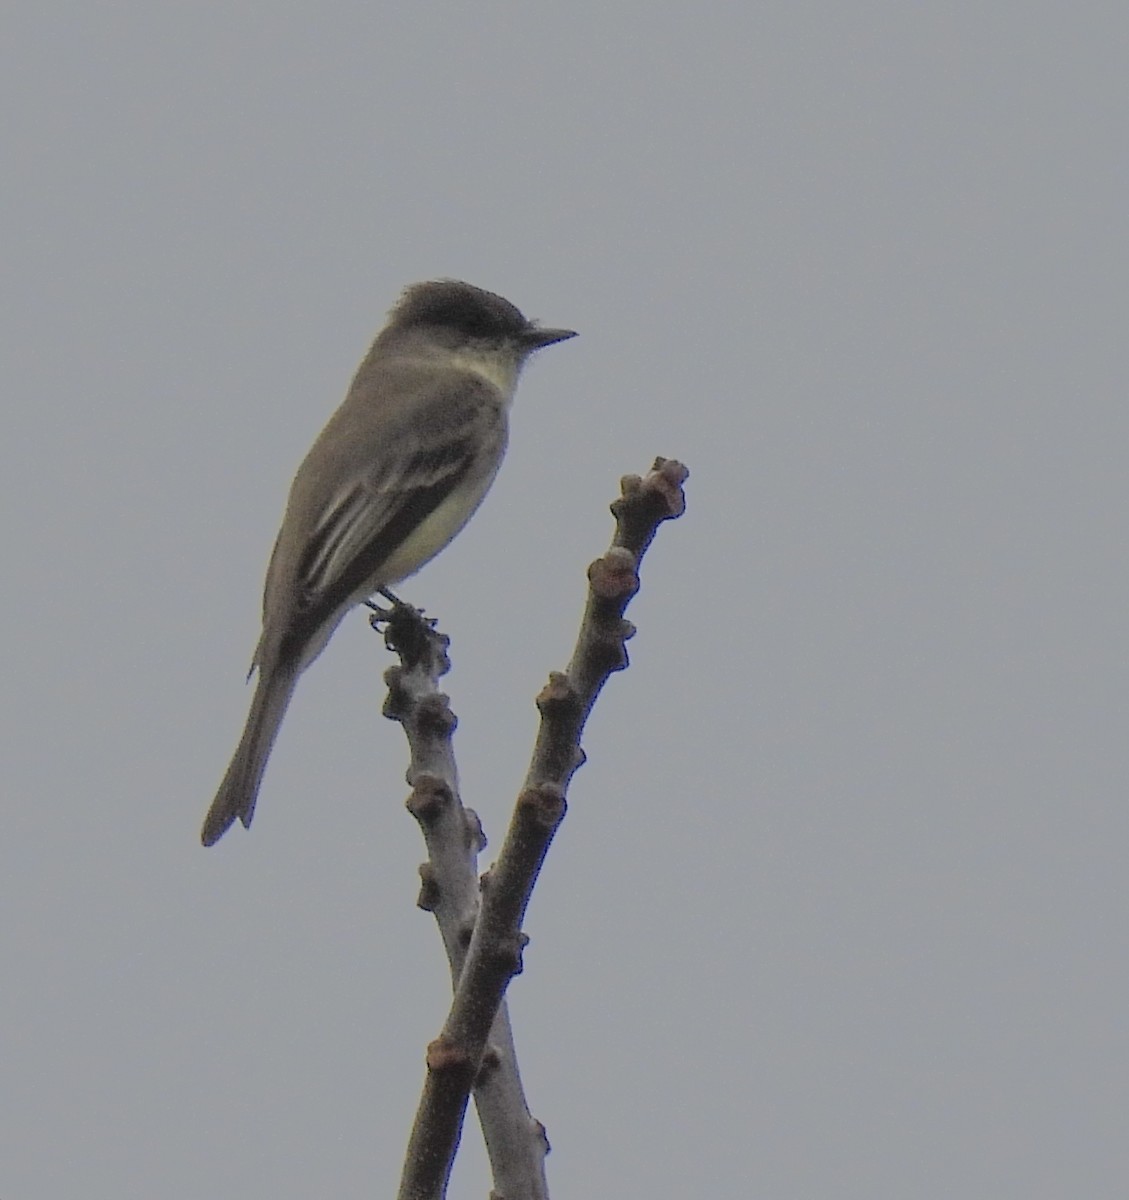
pixel 407 631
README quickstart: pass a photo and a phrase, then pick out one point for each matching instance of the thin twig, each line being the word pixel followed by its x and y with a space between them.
pixel 515 1141
pixel 495 951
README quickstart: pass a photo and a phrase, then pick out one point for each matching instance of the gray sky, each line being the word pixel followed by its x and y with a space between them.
pixel 839 907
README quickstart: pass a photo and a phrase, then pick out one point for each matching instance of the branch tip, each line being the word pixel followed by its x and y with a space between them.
pixel 667 477
pixel 662 485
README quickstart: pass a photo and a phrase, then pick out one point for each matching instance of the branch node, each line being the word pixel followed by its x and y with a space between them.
pixel 397 703
pixel 430 796
pixel 508 953
pixel 445 1055
pixel 607 649
pixel 435 716
pixel 558 697
pixel 429 890
pixel 544 804
pixel 613 576
pixel 475 834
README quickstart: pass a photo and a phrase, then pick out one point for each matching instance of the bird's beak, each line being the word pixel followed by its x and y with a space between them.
pixel 535 339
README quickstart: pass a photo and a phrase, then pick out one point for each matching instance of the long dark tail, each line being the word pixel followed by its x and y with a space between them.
pixel 240 787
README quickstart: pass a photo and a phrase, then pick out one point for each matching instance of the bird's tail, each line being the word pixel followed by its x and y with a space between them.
pixel 240 787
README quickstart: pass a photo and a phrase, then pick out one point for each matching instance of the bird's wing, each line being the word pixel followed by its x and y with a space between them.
pixel 367 520
pixel 393 485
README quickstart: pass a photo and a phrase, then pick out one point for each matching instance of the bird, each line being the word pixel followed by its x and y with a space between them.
pixel 396 473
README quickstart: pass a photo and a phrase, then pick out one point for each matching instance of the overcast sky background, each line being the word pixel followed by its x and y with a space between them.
pixel 839 908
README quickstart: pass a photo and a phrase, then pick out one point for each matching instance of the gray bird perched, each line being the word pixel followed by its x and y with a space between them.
pixel 396 473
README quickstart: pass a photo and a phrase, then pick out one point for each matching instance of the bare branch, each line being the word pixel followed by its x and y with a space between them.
pixel 515 1141
pixel 494 955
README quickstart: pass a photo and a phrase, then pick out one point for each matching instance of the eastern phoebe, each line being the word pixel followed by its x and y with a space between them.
pixel 397 472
